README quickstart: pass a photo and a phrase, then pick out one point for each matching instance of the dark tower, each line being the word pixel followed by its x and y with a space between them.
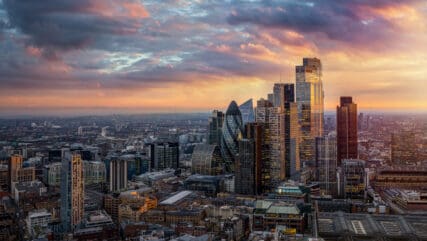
pixel 346 129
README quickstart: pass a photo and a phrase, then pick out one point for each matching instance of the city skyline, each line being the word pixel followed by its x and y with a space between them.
pixel 98 57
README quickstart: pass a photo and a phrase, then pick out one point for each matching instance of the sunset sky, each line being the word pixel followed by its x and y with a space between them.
pixel 111 56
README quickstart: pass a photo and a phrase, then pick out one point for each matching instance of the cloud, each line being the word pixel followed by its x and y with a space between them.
pixel 62 25
pixel 342 21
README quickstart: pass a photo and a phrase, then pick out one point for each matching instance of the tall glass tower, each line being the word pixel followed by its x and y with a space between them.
pixel 232 131
pixel 310 98
pixel 247 110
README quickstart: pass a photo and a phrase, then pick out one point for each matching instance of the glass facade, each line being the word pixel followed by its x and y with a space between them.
pixel 247 110
pixel 310 99
pixel 232 131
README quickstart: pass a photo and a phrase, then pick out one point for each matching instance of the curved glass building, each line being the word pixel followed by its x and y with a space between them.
pixel 247 110
pixel 232 131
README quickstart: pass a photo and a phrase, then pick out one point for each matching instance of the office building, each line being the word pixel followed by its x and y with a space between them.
pixel 352 179
pixel 72 191
pixel 231 132
pixel 244 181
pixel 310 98
pixel 18 173
pixel 283 93
pixel 326 163
pixel 37 221
pixel 14 166
pixel 164 155
pixel 206 160
pixel 215 127
pixel 290 131
pixel 273 120
pixel 403 148
pixel 346 129
pixel 118 174
pixel 247 111
pixel 255 131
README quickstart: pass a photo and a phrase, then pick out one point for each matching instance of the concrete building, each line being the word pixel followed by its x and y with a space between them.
pixel 352 179
pixel 118 175
pixel 38 221
pixel 72 191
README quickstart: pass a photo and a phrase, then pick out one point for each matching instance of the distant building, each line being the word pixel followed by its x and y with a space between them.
pixel 346 130
pixel 403 148
pixel 310 98
pixel 231 132
pixel 215 127
pixel 247 110
pixel 18 173
pixel 406 177
pixel 72 191
pixel 164 155
pixel 118 174
pixel 206 160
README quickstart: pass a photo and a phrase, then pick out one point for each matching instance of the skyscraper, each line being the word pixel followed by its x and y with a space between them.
pixel 14 165
pixel 346 129
pixel 165 155
pixel 282 93
pixel 247 110
pixel 232 131
pixel 215 127
pixel 72 191
pixel 310 98
pixel 256 132
pixel 118 174
pixel 273 119
pixel 244 181
pixel 326 163
pixel 291 133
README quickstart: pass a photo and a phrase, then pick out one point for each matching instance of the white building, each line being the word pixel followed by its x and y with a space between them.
pixel 38 221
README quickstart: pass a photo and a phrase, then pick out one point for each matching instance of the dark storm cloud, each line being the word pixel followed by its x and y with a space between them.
pixel 338 20
pixel 64 24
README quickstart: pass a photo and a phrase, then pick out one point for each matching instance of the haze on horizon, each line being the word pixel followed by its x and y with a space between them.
pixel 96 56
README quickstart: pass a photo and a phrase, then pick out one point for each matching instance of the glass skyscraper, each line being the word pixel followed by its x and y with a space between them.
pixel 310 98
pixel 232 131
pixel 215 127
pixel 247 110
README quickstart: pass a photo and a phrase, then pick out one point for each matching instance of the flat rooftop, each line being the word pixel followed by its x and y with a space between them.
pixel 175 198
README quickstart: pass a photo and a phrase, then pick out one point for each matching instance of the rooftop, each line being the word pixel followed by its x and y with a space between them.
pixel 175 198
